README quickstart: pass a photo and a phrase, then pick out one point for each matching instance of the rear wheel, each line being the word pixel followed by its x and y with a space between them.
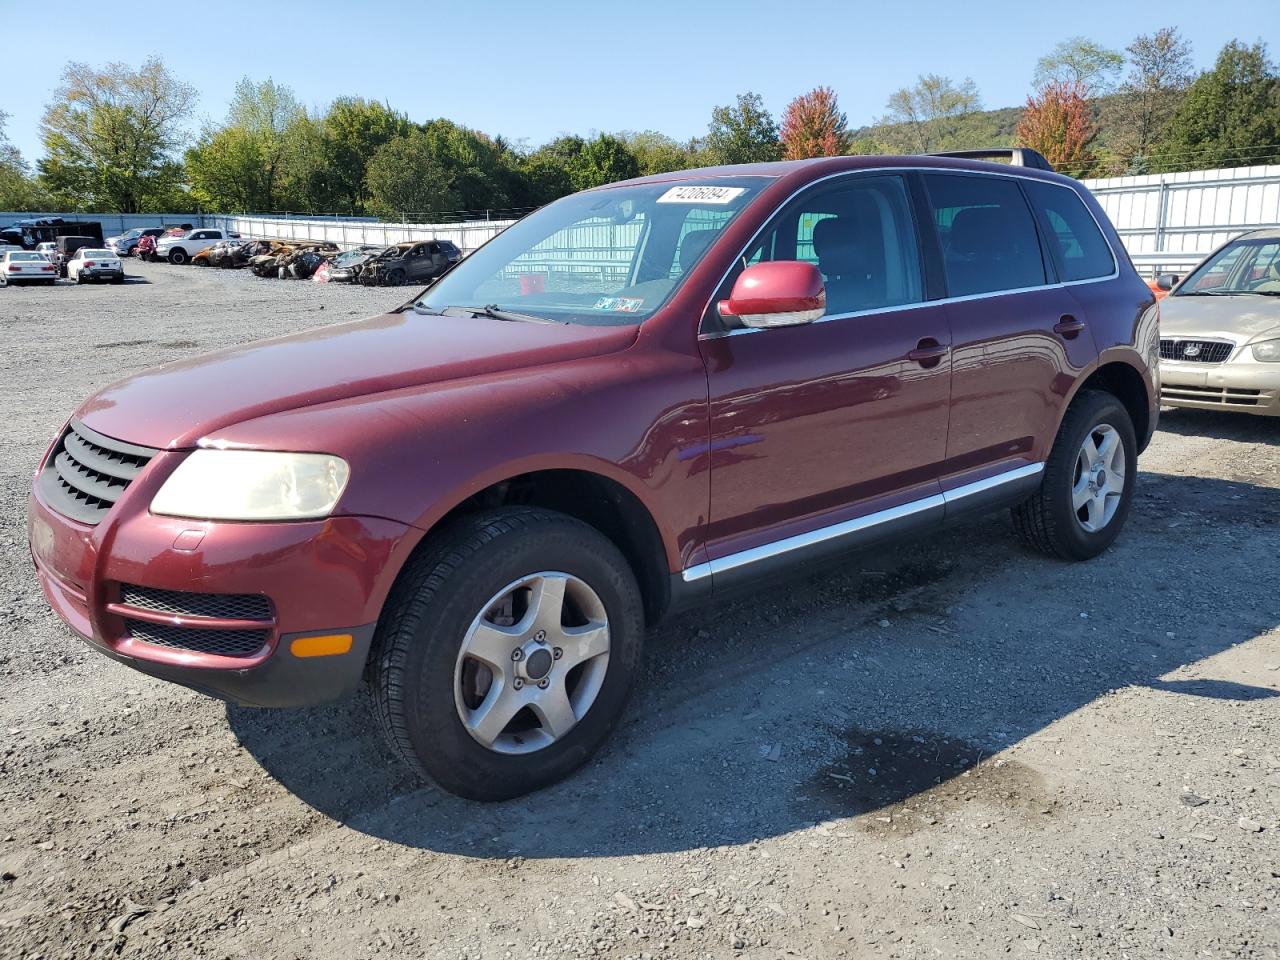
pixel 1087 487
pixel 506 652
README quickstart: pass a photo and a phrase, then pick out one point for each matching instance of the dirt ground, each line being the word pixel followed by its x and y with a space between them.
pixel 953 748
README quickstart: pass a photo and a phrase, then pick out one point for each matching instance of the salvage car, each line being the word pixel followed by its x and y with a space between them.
pixel 91 265
pixel 413 262
pixel 634 399
pixel 1220 342
pixel 347 266
pixel 26 266
pixel 65 248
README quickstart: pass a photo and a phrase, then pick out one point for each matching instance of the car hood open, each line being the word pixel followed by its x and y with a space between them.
pixel 175 405
pixel 1239 318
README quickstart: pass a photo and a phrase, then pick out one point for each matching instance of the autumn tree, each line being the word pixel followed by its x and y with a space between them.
pixel 743 132
pixel 813 126
pixel 110 135
pixel 928 114
pixel 1058 123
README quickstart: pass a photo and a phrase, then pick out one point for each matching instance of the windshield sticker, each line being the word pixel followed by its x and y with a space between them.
pixel 701 194
pixel 620 304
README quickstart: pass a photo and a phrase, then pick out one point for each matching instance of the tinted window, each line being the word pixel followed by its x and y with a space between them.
pixel 1078 246
pixel 859 234
pixel 989 240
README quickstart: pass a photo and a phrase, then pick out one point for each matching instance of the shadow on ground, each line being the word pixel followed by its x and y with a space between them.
pixel 797 705
pixel 1187 422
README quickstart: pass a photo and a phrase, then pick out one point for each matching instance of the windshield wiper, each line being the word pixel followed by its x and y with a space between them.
pixel 497 313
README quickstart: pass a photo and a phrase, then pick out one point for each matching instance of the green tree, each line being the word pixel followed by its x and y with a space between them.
pixel 1230 115
pixel 110 135
pixel 744 132
pixel 18 189
pixel 407 175
pixel 658 153
pixel 225 171
pixel 929 115
pixel 1079 61
pixel 354 129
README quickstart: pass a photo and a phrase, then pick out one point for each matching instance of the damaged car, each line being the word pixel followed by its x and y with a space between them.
pixel 416 261
pixel 347 266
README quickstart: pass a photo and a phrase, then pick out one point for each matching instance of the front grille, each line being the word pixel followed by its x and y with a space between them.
pixel 224 606
pixel 86 472
pixel 1201 351
pixel 222 643
pixel 1171 393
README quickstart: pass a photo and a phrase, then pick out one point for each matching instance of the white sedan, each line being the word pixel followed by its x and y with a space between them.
pixel 25 266
pixel 95 264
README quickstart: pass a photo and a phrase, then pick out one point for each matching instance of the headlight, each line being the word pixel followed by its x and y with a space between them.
pixel 253 485
pixel 1267 351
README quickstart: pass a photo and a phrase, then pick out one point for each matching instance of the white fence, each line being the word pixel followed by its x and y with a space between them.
pixel 354 233
pixel 1168 221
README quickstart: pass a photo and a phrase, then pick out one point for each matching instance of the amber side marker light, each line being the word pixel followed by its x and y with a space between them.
pixel 327 646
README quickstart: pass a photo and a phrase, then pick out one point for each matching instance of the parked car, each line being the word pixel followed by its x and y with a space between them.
pixel 90 265
pixel 632 400
pixel 28 233
pixel 1220 342
pixel 48 250
pixel 414 262
pixel 182 247
pixel 65 248
pixel 125 244
pixel 25 266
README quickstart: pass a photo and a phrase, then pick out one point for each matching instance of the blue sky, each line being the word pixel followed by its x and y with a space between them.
pixel 530 71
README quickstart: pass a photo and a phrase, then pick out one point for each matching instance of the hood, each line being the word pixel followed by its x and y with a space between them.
pixel 1238 318
pixel 175 405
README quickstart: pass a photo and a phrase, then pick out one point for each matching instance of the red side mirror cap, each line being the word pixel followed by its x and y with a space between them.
pixel 781 293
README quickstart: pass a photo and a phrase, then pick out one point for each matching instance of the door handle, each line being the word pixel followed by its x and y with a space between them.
pixel 928 352
pixel 1068 326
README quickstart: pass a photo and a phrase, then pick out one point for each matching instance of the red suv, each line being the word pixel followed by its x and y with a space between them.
pixel 638 397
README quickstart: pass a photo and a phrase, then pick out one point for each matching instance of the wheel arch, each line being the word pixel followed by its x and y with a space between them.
pixel 1124 381
pixel 603 502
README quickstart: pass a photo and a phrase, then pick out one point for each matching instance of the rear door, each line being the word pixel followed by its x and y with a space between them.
pixel 1019 340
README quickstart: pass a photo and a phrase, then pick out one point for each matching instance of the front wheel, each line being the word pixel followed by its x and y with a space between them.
pixel 177 257
pixel 1087 487
pixel 506 652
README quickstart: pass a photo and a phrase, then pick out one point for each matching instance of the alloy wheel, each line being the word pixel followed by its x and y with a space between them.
pixel 1098 484
pixel 532 663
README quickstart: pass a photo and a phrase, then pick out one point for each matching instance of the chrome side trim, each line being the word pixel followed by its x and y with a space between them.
pixel 991 483
pixel 846 528
pixel 1115 261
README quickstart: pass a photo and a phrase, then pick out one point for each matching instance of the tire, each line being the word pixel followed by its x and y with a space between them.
pixel 395 278
pixel 1049 520
pixel 177 257
pixel 80 277
pixel 420 676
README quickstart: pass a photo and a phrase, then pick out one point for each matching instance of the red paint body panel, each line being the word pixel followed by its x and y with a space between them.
pixel 728 442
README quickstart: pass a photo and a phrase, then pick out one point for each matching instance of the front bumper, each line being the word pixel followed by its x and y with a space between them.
pixel 1239 385
pixel 321 578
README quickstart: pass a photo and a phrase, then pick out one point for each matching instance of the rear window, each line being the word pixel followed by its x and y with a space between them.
pixel 22 257
pixel 1078 246
pixel 989 239
pixel 90 254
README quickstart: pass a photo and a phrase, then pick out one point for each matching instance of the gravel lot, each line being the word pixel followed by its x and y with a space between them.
pixel 954 748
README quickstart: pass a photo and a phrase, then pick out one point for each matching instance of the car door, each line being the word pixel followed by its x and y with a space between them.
pixel 1020 339
pixel 841 422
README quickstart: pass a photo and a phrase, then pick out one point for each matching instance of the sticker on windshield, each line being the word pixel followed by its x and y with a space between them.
pixel 620 304
pixel 701 194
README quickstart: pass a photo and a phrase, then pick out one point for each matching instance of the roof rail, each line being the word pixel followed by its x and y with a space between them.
pixel 1017 156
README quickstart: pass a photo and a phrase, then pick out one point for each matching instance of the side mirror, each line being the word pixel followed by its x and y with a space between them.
pixel 1167 281
pixel 782 293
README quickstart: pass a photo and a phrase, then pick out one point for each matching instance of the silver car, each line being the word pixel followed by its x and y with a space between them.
pixel 1220 330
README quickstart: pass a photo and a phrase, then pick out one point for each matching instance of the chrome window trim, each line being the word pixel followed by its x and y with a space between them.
pixel 1115 260
pixel 800 541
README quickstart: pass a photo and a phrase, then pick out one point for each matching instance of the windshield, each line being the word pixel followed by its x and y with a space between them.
pixel 1243 267
pixel 605 257
pixel 132 235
